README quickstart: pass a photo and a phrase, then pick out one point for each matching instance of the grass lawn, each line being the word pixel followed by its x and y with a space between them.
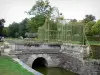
pixel 10 67
pixel 94 42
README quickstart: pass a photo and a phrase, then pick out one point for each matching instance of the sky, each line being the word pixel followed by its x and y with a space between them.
pixel 14 10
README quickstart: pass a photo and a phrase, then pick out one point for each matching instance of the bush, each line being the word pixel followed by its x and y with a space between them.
pixel 93 38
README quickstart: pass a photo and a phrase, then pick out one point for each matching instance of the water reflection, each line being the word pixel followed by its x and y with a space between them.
pixel 54 71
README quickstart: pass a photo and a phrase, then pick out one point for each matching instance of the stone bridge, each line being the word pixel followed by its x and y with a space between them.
pixel 68 56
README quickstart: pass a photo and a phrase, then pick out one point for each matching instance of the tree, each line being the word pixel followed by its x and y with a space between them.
pixel 42 7
pixel 35 22
pixel 41 10
pixel 88 21
pixel 5 31
pixel 88 18
pixel 96 28
pixel 2 21
pixel 23 27
pixel 13 29
pixel 73 20
pixel 88 27
pixel 18 29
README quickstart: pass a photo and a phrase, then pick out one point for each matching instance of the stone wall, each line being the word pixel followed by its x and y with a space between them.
pixel 95 51
pixel 82 67
pixel 77 51
pixel 90 68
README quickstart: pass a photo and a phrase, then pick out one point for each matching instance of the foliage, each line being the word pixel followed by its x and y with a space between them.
pixel 88 18
pixel 96 28
pixel 73 20
pixel 88 27
pixel 5 31
pixel 23 27
pixel 35 22
pixel 40 10
pixel 93 38
pixel 13 29
pixel 18 29
pixel 2 21
pixel 42 7
pixel 43 11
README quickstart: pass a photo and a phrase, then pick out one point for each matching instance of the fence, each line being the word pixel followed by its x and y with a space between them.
pixel 56 31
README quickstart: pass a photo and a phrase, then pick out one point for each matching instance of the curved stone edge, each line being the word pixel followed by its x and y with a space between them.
pixel 27 67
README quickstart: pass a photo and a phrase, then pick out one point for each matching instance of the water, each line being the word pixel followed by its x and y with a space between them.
pixel 54 71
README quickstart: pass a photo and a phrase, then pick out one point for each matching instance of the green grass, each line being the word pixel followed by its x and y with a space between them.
pixel 93 42
pixel 10 67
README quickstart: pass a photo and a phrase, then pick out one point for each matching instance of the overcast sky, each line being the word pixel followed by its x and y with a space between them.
pixel 14 10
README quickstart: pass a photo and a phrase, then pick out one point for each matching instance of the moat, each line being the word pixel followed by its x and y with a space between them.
pixel 54 71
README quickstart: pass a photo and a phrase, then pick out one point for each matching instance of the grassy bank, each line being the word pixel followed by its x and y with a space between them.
pixel 10 67
pixel 93 42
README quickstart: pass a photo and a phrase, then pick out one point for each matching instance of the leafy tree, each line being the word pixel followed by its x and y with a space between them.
pixel 2 21
pixel 42 7
pixel 88 27
pixel 41 10
pixel 5 31
pixel 13 29
pixel 23 27
pixel 96 28
pixel 16 35
pixel 88 18
pixel 73 20
pixel 89 22
pixel 35 22
pixel 18 29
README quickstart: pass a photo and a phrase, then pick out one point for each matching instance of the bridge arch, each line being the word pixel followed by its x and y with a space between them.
pixel 51 59
pixel 39 62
